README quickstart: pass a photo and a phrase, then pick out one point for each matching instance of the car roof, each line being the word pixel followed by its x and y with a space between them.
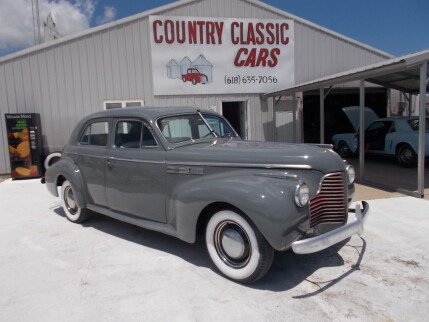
pixel 150 113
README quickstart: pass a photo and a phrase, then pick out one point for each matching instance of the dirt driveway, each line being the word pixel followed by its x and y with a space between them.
pixel 106 270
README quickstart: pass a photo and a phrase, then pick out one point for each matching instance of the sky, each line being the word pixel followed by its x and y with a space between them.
pixel 394 26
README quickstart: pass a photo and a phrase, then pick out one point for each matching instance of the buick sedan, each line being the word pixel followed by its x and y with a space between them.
pixel 186 173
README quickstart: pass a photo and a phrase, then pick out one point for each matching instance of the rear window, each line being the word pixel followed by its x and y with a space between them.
pixel 414 124
pixel 95 134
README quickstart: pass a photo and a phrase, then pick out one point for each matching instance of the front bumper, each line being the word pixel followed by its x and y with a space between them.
pixel 318 243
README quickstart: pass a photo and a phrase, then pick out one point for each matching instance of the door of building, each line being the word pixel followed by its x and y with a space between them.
pixel 236 114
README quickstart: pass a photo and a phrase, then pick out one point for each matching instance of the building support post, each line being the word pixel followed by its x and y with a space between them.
pixel 410 105
pixel 422 126
pixel 389 102
pixel 361 129
pixel 294 116
pixel 322 115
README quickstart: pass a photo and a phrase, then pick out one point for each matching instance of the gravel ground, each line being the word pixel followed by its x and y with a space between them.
pixel 106 270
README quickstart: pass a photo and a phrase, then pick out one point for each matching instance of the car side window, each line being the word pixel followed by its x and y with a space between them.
pixel 148 140
pixel 128 134
pixel 95 134
pixel 376 126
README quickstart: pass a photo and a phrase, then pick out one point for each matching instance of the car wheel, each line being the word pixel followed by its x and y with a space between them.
pixel 237 248
pixel 405 155
pixel 74 213
pixel 343 149
pixel 184 79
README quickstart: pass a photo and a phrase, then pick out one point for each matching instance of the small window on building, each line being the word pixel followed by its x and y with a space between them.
pixel 95 134
pixel 108 105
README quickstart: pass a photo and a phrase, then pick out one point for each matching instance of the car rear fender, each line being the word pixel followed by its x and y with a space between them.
pixel 66 168
pixel 401 138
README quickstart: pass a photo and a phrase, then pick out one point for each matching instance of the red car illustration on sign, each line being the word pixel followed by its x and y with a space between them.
pixel 193 75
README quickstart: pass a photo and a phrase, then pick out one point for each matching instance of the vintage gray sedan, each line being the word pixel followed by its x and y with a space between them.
pixel 185 173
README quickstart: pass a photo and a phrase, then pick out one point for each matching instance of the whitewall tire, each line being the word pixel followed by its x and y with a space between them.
pixel 237 248
pixel 73 212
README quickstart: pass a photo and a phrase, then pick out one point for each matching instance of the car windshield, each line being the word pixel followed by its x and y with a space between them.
pixel 191 127
pixel 414 124
pixel 219 125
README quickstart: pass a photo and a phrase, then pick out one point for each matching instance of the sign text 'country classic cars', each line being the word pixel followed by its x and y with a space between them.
pixel 217 55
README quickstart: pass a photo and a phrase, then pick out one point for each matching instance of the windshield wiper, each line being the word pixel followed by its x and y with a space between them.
pixel 207 124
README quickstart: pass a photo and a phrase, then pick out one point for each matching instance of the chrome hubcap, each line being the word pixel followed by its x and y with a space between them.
pixel 232 244
pixel 70 200
pixel 406 154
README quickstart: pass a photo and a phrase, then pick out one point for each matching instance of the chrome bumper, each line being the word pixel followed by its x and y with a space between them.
pixel 315 244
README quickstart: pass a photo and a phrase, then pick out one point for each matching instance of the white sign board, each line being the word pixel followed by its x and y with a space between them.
pixel 195 55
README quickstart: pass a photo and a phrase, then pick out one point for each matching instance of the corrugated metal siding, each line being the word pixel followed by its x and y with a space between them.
pixel 321 54
pixel 70 80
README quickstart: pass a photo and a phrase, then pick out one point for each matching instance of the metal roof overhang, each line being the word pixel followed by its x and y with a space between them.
pixel 401 73
pixel 406 73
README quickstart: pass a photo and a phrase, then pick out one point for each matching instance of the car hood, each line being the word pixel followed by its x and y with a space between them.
pixel 222 151
pixel 352 113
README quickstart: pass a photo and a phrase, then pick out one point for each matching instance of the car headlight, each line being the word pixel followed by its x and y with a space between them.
pixel 351 174
pixel 302 195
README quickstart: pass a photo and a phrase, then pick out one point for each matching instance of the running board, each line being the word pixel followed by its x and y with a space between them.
pixel 134 220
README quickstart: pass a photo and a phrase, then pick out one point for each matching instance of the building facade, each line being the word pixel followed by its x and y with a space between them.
pixel 113 66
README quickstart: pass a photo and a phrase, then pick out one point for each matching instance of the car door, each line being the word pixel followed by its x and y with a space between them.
pixel 90 159
pixel 135 171
pixel 389 138
pixel 375 135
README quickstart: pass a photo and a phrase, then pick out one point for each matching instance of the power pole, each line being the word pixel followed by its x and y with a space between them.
pixel 36 22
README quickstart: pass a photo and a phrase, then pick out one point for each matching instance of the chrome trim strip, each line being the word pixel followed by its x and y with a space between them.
pixel 87 155
pixel 283 176
pixel 117 159
pixel 242 165
pixel 185 170
pixel 211 164
pixel 135 160
pixel 321 145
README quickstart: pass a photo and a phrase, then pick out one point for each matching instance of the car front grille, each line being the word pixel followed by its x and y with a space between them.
pixel 329 205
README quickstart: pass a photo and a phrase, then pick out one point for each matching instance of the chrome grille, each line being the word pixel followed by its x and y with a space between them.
pixel 329 205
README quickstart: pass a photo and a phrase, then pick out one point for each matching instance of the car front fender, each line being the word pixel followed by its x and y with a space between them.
pixel 267 201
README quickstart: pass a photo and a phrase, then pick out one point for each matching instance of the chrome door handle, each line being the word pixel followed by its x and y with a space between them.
pixel 110 163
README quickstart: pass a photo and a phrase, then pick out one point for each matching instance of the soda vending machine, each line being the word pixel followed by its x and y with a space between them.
pixel 25 145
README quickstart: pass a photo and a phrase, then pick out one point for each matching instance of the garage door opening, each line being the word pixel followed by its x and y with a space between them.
pixel 236 114
pixel 335 119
